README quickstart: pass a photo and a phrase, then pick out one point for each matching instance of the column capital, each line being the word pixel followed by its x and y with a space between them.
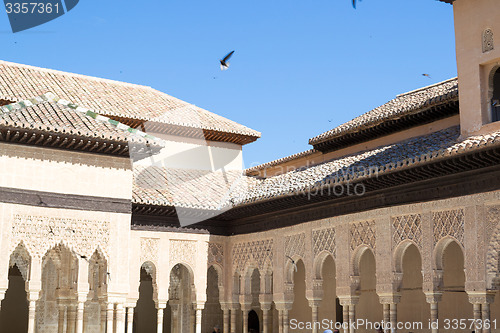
pixel 391 298
pixel 348 299
pixel 199 305
pixel 281 306
pixel 434 297
pixel 481 297
pixel 265 298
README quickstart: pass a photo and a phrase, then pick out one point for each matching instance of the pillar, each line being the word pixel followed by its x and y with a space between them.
pixel 34 287
pixel 314 304
pixel 233 320
pixel 60 322
pixel 393 315
pixel 433 299
pixel 387 317
pixel 71 318
pixel 225 318
pixel 130 319
pixel 79 316
pixel 199 308
pixel 31 316
pixel 481 309
pixel 110 315
pixel 120 318
pixel 348 310
pixel 103 316
pixel 265 319
pixel 159 321
pixel 285 321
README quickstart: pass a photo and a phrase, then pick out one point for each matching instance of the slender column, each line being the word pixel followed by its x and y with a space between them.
pixel 120 318
pixel 280 321
pixel 110 315
pixel 198 318
pixel 130 319
pixel 285 321
pixel 345 314
pixel 159 328
pixel 265 320
pixel 31 316
pixel 485 313
pixel 225 316
pixel 476 310
pixel 71 318
pixel 244 314
pixel 352 316
pixel 60 322
pixel 393 310
pixel 79 317
pixel 387 317
pixel 433 299
pixel 233 320
pixel 103 317
pixel 314 312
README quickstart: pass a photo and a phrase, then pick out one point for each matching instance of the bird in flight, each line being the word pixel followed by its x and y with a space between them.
pixel 354 3
pixel 293 263
pixel 427 75
pixel 224 64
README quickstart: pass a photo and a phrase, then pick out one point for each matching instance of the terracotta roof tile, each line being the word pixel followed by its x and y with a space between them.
pixel 112 98
pixel 404 104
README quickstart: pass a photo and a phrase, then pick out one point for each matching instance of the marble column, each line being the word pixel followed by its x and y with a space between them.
pixel 31 316
pixel 110 317
pixel 433 299
pixel 159 321
pixel 233 320
pixel 199 309
pixel 60 319
pixel 79 316
pixel 120 318
pixel 130 319
pixel 225 319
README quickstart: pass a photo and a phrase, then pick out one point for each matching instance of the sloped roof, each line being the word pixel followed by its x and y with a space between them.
pixel 406 104
pixel 43 121
pixel 372 163
pixel 130 103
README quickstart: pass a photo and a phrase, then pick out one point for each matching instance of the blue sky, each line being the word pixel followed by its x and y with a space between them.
pixel 300 67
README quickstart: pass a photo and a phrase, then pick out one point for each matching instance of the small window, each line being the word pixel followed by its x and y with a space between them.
pixel 495 100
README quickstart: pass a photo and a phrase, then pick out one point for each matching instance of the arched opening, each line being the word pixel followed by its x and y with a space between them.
pixel 15 304
pixel 369 307
pixel 455 301
pixel 328 306
pixel 301 311
pixel 145 314
pixel 212 313
pixel 58 298
pixel 495 99
pixel 413 307
pixel 181 299
pixel 253 322
pixel 95 307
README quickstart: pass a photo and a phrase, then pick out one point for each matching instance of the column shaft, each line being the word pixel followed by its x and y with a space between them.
pixel 434 316
pixel 244 315
pixel 110 319
pixel 265 321
pixel 233 321
pixel 393 315
pixel 280 321
pixel 130 320
pixel 79 317
pixel 352 316
pixel 120 318
pixel 314 313
pixel 285 321
pixel 387 316
pixel 31 316
pixel 198 320
pixel 225 324
pixel 159 328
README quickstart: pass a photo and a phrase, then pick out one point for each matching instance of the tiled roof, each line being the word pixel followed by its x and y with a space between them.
pixel 280 161
pixel 375 162
pixel 405 104
pixel 112 98
pixel 57 125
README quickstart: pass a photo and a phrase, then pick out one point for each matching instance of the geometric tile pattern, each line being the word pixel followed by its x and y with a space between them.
pixel 324 240
pixel 260 252
pixel 215 254
pixel 449 223
pixel 295 245
pixel 363 233
pixel 407 227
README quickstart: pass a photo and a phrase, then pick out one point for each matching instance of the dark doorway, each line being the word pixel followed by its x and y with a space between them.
pixel 495 100
pixel 14 311
pixel 253 322
pixel 338 311
pixel 145 315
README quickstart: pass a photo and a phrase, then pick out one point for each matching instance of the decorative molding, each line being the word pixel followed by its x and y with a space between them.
pixel 324 240
pixel 40 233
pixel 449 223
pixel 295 245
pixel 493 233
pixel 363 233
pixel 260 252
pixel 488 40
pixel 149 250
pixel 216 254
pixel 407 227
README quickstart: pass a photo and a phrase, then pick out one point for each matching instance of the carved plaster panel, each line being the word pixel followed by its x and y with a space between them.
pixel 363 233
pixel 449 223
pixel 260 252
pixel 407 227
pixel 324 240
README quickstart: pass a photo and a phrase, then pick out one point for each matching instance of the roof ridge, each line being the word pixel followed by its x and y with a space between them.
pixel 281 160
pixel 96 78
pixel 426 87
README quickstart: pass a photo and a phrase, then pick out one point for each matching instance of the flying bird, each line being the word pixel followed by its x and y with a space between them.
pixel 293 263
pixel 427 75
pixel 354 3
pixel 51 231
pixel 224 64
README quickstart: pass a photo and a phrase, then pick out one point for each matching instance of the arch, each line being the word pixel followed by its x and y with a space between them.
pixel 15 304
pixel 253 322
pixel 212 312
pixel 21 258
pixel 440 248
pixel 145 316
pixel 318 264
pixel 182 296
pixel 399 253
pixel 356 258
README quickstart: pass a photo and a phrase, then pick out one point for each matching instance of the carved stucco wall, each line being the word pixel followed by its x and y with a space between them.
pixel 259 252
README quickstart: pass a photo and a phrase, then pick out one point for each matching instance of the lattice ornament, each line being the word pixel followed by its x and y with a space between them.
pixel 21 258
pixel 449 223
pixel 216 254
pixel 41 233
pixel 295 245
pixel 182 251
pixel 324 240
pixel 260 252
pixel 407 227
pixel 493 232
pixel 363 233
pixel 149 249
